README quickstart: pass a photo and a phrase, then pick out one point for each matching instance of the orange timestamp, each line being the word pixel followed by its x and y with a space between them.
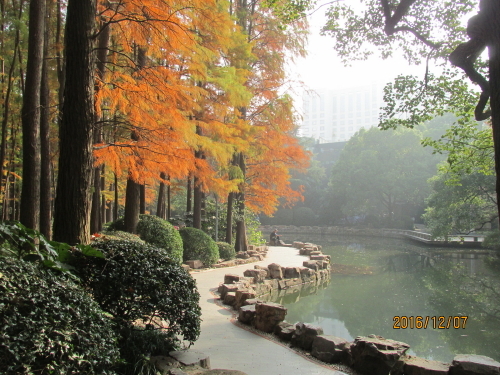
pixel 424 322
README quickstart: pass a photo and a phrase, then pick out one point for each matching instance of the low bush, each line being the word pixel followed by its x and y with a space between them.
pixel 119 235
pixel 138 345
pixel 198 245
pixel 161 233
pixel 136 281
pixel 155 231
pixel 226 251
pixel 50 325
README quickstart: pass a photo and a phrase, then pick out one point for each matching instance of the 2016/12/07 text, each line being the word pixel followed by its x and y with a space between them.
pixel 424 322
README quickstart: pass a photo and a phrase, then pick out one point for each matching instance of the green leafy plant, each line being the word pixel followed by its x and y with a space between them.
pixel 138 345
pixel 198 245
pixel 21 242
pixel 157 232
pixel 226 251
pixel 50 325
pixel 136 281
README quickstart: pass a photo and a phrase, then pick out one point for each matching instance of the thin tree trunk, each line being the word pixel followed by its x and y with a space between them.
pixel 241 243
pixel 197 204
pixel 115 207
pixel 169 208
pixel 72 205
pixel 45 170
pixel 142 206
pixel 229 219
pixel 6 102
pixel 132 206
pixel 30 196
pixel 189 194
pixel 96 217
pixel 161 196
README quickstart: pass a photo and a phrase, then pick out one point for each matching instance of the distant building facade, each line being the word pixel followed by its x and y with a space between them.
pixel 335 115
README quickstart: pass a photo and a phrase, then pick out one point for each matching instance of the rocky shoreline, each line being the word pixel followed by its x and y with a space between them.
pixel 372 354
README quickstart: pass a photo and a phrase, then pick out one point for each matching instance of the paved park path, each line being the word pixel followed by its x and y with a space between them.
pixel 231 347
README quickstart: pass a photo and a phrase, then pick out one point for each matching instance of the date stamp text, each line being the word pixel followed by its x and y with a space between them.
pixel 424 322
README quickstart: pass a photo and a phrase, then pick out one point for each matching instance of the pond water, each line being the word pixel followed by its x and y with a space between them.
pixel 386 278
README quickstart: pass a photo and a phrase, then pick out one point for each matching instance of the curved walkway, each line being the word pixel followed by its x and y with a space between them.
pixel 231 347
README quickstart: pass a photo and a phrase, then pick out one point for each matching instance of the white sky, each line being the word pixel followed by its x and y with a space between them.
pixel 323 69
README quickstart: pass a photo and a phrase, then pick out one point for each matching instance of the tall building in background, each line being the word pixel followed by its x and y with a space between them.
pixel 335 115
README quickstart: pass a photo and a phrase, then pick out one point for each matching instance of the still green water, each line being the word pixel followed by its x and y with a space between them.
pixel 406 280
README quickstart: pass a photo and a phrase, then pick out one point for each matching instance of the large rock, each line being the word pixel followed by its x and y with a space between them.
pixel 275 271
pixel 312 264
pixel 305 334
pixel 257 275
pixel 227 288
pixel 375 355
pixel 307 274
pixel 292 272
pixel 284 330
pixel 420 366
pixel 246 314
pixel 469 364
pixel 268 315
pixel 194 264
pixel 330 349
pixel 257 267
pixel 230 298
pixel 230 278
pixel 241 296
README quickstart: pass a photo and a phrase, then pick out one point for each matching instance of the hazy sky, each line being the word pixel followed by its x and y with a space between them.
pixel 323 69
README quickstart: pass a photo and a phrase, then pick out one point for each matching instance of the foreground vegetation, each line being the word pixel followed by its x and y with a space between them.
pixel 98 309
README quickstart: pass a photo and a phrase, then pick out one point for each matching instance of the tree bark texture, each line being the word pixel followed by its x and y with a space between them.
pixel 241 243
pixel 72 204
pixel 492 9
pixel 132 197
pixel 30 194
pixel 96 217
pixel 45 169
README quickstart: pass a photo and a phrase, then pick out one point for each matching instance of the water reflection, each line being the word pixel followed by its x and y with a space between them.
pixel 407 280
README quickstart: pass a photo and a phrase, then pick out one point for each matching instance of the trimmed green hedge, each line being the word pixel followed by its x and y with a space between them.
pixel 138 281
pixel 226 251
pixel 199 245
pixel 50 325
pixel 156 231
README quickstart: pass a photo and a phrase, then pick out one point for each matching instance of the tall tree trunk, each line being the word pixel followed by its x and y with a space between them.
pixel 189 194
pixel 169 208
pixel 45 170
pixel 30 196
pixel 142 206
pixel 96 217
pixel 493 12
pixel 161 196
pixel 132 196
pixel 72 205
pixel 241 243
pixel 197 198
pixel 115 207
pixel 6 97
pixel 229 219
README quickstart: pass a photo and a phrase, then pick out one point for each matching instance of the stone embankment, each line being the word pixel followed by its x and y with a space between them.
pixel 254 254
pixel 370 355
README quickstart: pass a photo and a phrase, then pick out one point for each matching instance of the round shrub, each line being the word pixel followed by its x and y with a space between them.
pixel 155 231
pixel 161 233
pixel 199 245
pixel 226 251
pixel 139 281
pixel 50 325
